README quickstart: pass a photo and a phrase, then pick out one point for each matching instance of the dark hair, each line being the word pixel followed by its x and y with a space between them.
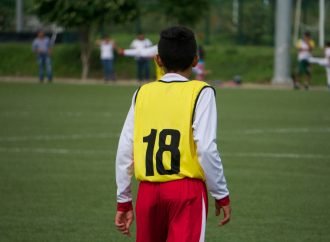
pixel 308 34
pixel 327 44
pixel 177 48
pixel 104 36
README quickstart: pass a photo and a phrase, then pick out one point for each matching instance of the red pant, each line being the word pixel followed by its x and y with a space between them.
pixel 171 211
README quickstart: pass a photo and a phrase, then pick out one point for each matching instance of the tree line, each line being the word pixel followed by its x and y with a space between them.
pixel 235 21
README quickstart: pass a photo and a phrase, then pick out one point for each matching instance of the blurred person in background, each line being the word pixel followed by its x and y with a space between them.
pixel 143 68
pixel 199 69
pixel 304 47
pixel 324 61
pixel 327 57
pixel 42 46
pixel 149 52
pixel 107 46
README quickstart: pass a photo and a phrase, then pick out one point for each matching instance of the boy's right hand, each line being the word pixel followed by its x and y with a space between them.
pixel 120 51
pixel 123 221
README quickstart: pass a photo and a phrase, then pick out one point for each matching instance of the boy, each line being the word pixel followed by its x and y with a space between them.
pixel 324 61
pixel 42 46
pixel 304 47
pixel 327 57
pixel 170 136
pixel 142 63
pixel 148 52
pixel 107 46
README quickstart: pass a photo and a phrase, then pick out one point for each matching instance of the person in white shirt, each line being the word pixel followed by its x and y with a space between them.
pixel 304 47
pixel 42 47
pixel 107 47
pixel 143 68
pixel 324 61
pixel 149 52
pixel 327 56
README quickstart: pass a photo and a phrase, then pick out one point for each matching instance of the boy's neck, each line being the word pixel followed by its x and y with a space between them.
pixel 185 73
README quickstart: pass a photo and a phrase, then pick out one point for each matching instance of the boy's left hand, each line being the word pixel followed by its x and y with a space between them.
pixel 226 212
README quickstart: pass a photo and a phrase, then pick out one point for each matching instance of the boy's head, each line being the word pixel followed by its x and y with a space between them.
pixel 140 36
pixel 41 34
pixel 327 44
pixel 177 48
pixel 105 36
pixel 307 35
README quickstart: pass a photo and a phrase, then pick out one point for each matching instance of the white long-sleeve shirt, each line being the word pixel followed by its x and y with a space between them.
pixel 204 134
pixel 325 61
pixel 147 52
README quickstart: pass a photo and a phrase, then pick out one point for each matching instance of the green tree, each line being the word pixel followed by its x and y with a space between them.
pixel 255 22
pixel 7 11
pixel 185 12
pixel 85 16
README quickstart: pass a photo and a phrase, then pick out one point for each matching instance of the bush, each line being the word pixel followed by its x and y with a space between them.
pixel 252 63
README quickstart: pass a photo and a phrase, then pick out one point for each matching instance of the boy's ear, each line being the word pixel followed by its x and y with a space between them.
pixel 195 61
pixel 158 61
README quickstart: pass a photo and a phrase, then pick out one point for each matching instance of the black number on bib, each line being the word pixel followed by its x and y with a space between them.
pixel 150 139
pixel 172 147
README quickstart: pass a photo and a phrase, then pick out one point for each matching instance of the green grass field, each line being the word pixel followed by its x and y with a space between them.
pixel 57 152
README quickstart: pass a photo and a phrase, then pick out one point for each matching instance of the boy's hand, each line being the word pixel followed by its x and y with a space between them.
pixel 120 51
pixel 123 221
pixel 226 212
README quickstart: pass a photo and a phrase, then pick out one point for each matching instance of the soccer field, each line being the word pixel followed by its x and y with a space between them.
pixel 57 155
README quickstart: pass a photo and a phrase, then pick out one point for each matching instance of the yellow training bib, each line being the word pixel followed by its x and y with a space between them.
pixel 164 149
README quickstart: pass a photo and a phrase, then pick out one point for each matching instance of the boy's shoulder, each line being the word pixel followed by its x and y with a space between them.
pixel 174 82
pixel 195 85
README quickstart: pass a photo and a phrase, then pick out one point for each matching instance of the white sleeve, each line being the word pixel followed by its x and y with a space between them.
pixel 124 158
pixel 205 132
pixel 145 52
pixel 319 61
pixel 150 51
pixel 132 52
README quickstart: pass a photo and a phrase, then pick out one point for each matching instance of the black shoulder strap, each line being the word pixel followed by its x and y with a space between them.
pixel 207 86
pixel 137 92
